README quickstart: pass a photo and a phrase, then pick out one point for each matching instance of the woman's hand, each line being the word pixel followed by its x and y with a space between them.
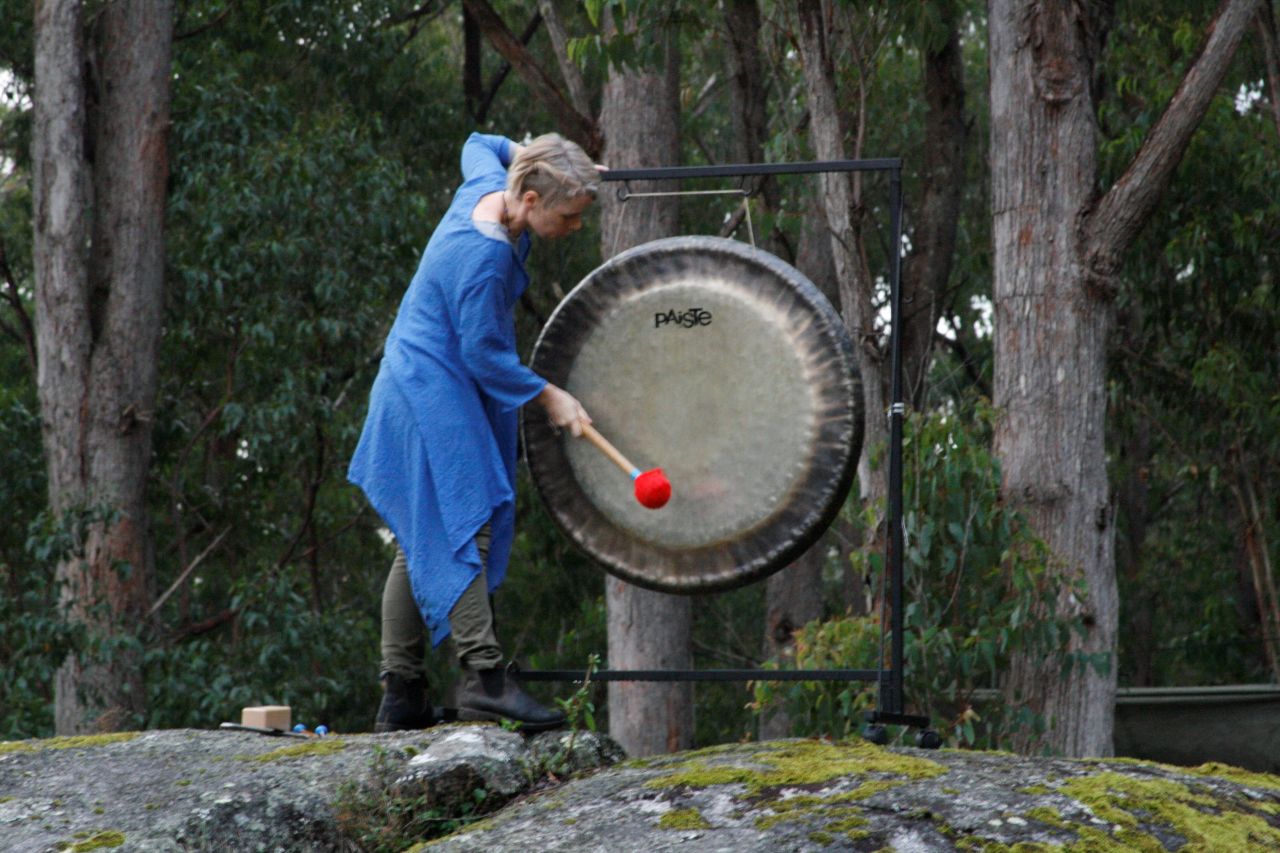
pixel 563 409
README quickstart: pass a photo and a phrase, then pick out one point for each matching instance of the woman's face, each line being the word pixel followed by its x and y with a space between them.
pixel 559 220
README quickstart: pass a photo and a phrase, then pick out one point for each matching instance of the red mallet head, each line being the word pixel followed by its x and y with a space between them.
pixel 653 489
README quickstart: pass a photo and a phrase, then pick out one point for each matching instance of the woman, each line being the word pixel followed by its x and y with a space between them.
pixel 438 452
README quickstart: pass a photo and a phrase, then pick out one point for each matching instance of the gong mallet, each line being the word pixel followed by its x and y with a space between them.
pixel 653 489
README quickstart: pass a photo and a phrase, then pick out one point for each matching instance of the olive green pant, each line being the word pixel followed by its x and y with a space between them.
pixel 404 637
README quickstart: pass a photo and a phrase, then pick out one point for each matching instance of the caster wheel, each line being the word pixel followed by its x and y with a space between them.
pixel 878 735
pixel 928 739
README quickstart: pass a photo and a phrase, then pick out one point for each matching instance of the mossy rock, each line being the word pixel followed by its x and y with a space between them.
pixel 233 791
pixel 818 795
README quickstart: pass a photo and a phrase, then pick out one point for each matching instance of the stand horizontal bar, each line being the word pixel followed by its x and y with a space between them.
pixel 887 164
pixel 702 675
pixel 913 720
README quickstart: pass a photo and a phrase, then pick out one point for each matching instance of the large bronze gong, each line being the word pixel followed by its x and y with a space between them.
pixel 728 369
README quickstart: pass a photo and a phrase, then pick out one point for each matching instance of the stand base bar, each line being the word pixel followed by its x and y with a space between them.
pixel 701 675
pixel 883 717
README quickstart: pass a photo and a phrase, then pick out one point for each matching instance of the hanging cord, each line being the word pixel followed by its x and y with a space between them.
pixel 625 194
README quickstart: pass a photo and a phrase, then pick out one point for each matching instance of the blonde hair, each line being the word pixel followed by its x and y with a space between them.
pixel 555 168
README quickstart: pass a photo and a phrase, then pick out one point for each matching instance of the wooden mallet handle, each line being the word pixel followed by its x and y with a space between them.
pixel 589 432
pixel 653 489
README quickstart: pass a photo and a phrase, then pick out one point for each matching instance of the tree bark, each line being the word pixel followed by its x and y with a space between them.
pixel 749 111
pixel 472 67
pixel 1120 214
pixel 647 630
pixel 1267 31
pixel 572 123
pixel 1057 249
pixel 793 598
pixel 936 216
pixel 827 132
pixel 1258 556
pixel 569 69
pixel 99 293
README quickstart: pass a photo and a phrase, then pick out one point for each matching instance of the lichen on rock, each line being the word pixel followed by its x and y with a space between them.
pixel 174 790
pixel 815 795
pixel 231 790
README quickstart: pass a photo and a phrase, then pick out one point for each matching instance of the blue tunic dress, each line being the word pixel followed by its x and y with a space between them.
pixel 437 456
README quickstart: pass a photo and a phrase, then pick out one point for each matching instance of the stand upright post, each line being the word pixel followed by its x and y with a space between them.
pixel 896 411
pixel 890 705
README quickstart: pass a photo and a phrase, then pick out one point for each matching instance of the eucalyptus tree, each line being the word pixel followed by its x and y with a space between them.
pixel 1059 243
pixel 1193 371
pixel 843 50
pixel 99 168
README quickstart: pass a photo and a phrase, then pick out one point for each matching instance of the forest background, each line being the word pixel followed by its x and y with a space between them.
pixel 312 147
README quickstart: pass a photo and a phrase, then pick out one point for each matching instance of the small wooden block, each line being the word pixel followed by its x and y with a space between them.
pixel 267 717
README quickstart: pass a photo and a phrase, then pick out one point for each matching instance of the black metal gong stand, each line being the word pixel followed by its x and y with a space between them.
pixel 889 704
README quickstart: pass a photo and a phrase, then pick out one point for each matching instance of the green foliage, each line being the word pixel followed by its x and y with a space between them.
pixel 32 644
pixel 579 709
pixel 626 34
pixel 378 817
pixel 977 591
pixel 281 651
pixel 1192 387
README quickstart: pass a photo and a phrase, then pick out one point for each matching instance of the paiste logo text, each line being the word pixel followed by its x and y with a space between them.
pixel 687 319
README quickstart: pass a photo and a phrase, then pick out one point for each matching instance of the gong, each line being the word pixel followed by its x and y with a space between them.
pixel 727 368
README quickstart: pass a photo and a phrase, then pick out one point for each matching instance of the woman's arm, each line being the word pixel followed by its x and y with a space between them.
pixel 563 409
pixel 483 153
pixel 486 337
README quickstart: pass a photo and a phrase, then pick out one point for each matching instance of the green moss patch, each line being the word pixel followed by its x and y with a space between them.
pixel 69 742
pixel 796 764
pixel 801 764
pixel 1234 774
pixel 86 741
pixel 980 845
pixel 1048 815
pixel 318 746
pixel 1133 804
pixel 683 819
pixel 98 841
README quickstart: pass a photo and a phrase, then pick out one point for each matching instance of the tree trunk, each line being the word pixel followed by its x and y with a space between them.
pixel 1267 32
pixel 749 102
pixel 647 630
pixel 936 215
pixel 749 111
pixel 827 134
pixel 573 124
pixel 569 69
pixel 1057 249
pixel 793 598
pixel 1258 557
pixel 98 299
pixel 472 66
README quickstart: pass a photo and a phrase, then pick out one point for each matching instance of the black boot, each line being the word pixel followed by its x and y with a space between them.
pixel 404 704
pixel 495 694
